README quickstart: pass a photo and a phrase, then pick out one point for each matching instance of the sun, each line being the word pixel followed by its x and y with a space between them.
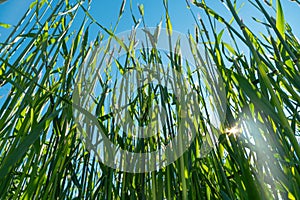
pixel 235 130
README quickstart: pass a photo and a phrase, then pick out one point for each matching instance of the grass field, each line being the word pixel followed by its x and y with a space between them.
pixel 256 155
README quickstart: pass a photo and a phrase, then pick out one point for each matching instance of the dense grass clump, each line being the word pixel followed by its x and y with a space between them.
pixel 256 155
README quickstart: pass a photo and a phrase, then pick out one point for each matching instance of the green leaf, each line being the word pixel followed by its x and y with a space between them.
pixel 71 10
pixel 291 196
pixel 5 25
pixel 141 9
pixel 122 8
pixel 280 18
pixel 169 25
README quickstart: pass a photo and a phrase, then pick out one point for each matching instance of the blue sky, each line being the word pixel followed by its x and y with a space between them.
pixel 106 13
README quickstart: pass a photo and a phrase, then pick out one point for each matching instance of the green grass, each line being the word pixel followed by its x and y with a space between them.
pixel 42 156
